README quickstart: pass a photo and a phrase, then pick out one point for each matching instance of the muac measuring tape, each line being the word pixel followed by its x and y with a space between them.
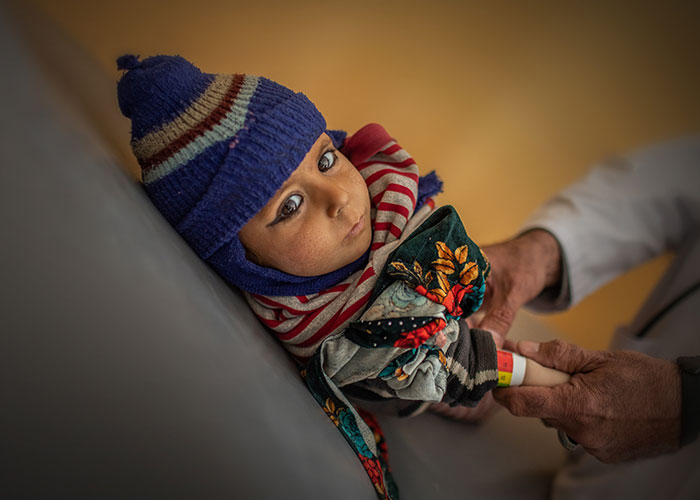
pixel 511 368
pixel 511 372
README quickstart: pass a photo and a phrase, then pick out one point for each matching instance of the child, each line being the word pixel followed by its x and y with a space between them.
pixel 335 242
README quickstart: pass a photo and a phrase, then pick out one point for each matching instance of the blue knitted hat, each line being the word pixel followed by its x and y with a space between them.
pixel 213 150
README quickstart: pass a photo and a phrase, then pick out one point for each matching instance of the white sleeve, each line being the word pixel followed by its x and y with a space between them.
pixel 622 213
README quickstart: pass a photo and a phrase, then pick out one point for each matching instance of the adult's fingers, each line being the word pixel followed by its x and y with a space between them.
pixel 532 401
pixel 497 337
pixel 510 345
pixel 528 401
pixel 561 355
pixel 498 318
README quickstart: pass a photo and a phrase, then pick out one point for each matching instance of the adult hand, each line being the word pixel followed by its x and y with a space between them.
pixel 520 269
pixel 618 405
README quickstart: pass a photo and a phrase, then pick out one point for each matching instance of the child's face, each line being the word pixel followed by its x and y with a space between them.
pixel 318 221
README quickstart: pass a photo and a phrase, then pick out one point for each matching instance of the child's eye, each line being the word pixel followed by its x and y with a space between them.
pixel 327 161
pixel 290 206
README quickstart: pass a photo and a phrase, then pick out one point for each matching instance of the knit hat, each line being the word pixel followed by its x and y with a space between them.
pixel 213 150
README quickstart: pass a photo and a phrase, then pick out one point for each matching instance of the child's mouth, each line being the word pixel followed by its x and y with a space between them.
pixel 357 228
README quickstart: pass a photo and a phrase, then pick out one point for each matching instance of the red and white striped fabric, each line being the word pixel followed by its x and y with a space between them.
pixel 302 322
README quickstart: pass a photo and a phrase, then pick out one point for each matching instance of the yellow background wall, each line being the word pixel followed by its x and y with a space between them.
pixel 509 101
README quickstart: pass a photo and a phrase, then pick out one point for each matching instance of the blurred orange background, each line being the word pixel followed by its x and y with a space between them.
pixel 508 101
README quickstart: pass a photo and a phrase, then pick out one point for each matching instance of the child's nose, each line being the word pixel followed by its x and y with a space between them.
pixel 335 198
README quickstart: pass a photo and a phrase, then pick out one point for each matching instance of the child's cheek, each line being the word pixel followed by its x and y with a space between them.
pixel 309 252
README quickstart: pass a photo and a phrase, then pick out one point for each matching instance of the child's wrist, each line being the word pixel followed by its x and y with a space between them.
pixel 514 370
pixel 511 368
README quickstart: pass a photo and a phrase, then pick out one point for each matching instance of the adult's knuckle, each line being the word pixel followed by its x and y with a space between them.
pixel 535 406
pixel 571 410
pixel 559 345
pixel 558 348
pixel 503 315
pixel 596 406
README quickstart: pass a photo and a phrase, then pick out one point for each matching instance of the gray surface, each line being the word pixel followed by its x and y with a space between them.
pixel 128 369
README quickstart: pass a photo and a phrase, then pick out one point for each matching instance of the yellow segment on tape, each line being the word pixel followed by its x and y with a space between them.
pixel 504 379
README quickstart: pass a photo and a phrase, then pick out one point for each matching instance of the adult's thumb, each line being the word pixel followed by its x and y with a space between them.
pixel 560 355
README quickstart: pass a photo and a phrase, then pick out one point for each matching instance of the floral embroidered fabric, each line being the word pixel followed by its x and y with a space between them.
pixel 408 344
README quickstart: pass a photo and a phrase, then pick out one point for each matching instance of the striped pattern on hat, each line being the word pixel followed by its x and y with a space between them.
pixel 217 115
pixel 213 150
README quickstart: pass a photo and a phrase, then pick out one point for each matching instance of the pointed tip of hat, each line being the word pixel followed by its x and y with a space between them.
pixel 128 61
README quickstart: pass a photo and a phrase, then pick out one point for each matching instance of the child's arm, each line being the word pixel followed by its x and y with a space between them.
pixel 514 369
pixel 536 374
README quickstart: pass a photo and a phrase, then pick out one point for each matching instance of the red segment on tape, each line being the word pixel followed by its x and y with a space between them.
pixel 504 359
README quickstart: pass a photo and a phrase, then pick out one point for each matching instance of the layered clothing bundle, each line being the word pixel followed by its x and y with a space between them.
pixel 383 330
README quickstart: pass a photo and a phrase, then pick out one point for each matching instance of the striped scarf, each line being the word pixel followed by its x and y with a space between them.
pixel 302 322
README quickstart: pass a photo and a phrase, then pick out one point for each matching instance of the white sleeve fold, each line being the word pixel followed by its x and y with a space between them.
pixel 622 213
